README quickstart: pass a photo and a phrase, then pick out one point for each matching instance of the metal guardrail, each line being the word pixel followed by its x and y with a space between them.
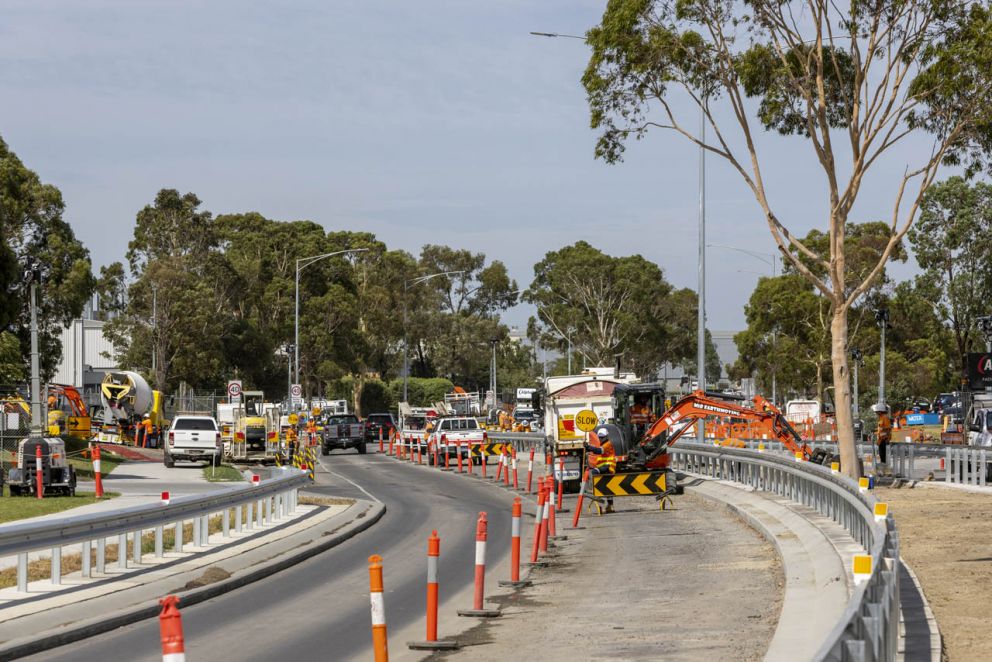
pixel 276 497
pixel 520 440
pixel 964 465
pixel 869 628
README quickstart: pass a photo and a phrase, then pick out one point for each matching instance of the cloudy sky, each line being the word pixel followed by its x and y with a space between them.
pixel 440 121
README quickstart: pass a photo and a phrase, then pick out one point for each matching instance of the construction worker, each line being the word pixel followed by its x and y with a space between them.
pixel 884 430
pixel 603 459
pixel 147 427
pixel 52 402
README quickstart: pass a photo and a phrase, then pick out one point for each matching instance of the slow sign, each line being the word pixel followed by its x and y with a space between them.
pixel 586 420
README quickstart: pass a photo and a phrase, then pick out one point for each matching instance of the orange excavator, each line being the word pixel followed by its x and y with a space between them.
pixel 650 452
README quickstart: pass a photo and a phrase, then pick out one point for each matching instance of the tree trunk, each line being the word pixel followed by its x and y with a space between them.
pixel 842 394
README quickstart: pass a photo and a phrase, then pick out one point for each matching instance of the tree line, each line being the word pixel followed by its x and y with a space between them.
pixel 200 298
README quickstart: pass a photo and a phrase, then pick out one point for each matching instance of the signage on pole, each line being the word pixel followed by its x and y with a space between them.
pixel 234 391
pixel 586 420
pixel 296 395
pixel 979 370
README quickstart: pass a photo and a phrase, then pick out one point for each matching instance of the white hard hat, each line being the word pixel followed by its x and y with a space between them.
pixel 603 433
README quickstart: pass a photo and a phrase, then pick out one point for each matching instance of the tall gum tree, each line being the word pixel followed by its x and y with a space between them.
pixel 853 80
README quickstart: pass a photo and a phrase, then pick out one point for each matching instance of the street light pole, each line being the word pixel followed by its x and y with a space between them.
pixel 155 336
pixel 301 264
pixel 856 359
pixel 492 378
pixel 701 295
pixel 36 427
pixel 882 317
pixel 406 288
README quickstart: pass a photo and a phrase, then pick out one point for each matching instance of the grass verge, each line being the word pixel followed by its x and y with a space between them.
pixel 225 473
pixel 12 509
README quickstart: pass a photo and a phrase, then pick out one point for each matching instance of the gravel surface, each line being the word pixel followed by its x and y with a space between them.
pixel 945 538
pixel 641 584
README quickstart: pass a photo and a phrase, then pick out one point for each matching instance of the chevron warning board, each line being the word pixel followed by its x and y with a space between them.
pixel 487 449
pixel 630 484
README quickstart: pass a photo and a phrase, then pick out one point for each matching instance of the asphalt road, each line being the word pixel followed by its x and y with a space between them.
pixel 320 608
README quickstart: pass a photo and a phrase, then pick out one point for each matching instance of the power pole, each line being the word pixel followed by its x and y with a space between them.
pixel 701 294
pixel 36 427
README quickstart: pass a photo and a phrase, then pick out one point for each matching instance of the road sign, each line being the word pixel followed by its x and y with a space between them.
pixel 296 395
pixel 979 370
pixel 632 484
pixel 586 420
pixel 234 391
pixel 293 419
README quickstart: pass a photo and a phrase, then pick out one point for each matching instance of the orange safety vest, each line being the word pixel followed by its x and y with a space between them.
pixel 606 460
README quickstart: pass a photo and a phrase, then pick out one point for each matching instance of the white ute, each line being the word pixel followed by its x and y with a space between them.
pixel 193 438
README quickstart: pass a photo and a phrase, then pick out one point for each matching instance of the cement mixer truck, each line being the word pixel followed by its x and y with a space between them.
pixel 126 399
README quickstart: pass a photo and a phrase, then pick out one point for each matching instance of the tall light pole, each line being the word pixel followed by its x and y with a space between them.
pixel 769 259
pixel 301 264
pixel 154 336
pixel 856 358
pixel 701 294
pixel 492 376
pixel 882 318
pixel 406 288
pixel 36 425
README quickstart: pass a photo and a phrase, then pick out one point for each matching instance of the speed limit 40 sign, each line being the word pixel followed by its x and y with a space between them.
pixel 234 390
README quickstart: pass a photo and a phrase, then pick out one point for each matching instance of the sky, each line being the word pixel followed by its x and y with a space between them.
pixel 440 121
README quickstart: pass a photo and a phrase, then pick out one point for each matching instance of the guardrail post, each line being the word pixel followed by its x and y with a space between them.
pixel 225 522
pixel 982 467
pixel 136 547
pixel 196 532
pixel 258 513
pixel 22 572
pixel 101 555
pixel 122 551
pixel 86 558
pixel 205 533
pixel 947 465
pixel 56 565
pixel 159 546
pixel 177 541
pixel 237 519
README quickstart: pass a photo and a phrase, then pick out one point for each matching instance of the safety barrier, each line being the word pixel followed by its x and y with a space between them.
pixel 276 497
pixel 964 465
pixel 869 628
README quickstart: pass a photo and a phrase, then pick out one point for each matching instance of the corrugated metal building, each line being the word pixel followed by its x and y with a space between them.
pixel 86 356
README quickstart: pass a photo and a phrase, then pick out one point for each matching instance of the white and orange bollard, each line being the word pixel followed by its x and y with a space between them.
pixel 578 504
pixel 433 595
pixel 538 519
pixel 530 473
pixel 481 535
pixel 380 440
pixel 549 496
pixel 499 467
pixel 514 580
pixel 513 459
pixel 39 479
pixel 561 482
pixel 97 476
pixel 380 642
pixel 447 453
pixel 170 623
pixel 458 450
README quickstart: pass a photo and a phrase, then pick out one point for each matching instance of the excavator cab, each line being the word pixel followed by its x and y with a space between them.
pixel 635 408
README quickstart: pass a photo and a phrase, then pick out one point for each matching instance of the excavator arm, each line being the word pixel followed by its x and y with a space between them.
pixel 651 452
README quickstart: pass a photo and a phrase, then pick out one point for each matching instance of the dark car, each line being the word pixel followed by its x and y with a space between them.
pixel 341 432
pixel 376 422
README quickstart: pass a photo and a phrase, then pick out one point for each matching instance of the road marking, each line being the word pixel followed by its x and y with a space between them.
pixel 345 478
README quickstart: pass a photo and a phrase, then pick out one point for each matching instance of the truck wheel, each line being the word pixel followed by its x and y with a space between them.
pixel 168 461
pixel 361 448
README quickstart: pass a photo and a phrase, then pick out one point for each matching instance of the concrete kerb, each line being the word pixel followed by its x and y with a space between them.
pixel 919 634
pixel 366 513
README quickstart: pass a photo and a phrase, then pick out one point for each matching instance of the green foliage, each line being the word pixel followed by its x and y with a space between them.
pixel 951 243
pixel 34 237
pixel 11 360
pixel 422 391
pixel 376 397
pixel 607 306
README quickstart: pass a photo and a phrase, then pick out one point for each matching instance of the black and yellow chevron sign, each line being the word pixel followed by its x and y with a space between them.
pixel 629 484
pixel 487 449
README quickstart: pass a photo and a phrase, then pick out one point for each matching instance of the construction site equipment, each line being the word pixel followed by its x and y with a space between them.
pixel 256 430
pixel 126 399
pixel 649 452
pixel 69 416
pixel 57 475
pixel 461 403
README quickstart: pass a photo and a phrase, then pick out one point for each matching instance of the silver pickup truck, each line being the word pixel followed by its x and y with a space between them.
pixel 342 431
pixel 193 438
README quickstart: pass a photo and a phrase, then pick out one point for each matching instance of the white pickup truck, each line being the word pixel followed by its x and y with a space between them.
pixel 193 438
pixel 455 433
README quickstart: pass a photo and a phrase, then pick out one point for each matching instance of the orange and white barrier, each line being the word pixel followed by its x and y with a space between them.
pixel 380 643
pixel 170 623
pixel 561 481
pixel 481 535
pixel 546 513
pixel 380 440
pixel 499 467
pixel 513 459
pixel 538 519
pixel 530 472
pixel 96 472
pixel 458 452
pixel 433 552
pixel 582 494
pixel 39 481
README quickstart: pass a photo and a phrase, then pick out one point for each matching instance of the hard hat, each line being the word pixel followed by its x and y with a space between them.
pixel 603 434
pixel 880 409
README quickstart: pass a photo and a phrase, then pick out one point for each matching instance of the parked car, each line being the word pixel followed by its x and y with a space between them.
pixel 194 439
pixel 376 422
pixel 342 431
pixel 454 434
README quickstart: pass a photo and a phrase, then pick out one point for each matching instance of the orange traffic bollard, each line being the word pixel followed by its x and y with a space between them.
pixel 433 552
pixel 380 440
pixel 481 535
pixel 538 518
pixel 39 480
pixel 170 624
pixel 97 477
pixel 530 472
pixel 561 480
pixel 447 454
pixel 499 467
pixel 578 504
pixel 458 452
pixel 549 496
pixel 515 547
pixel 513 458
pixel 380 643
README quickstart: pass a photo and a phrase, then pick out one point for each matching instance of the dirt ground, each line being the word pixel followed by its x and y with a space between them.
pixel 946 538
pixel 686 584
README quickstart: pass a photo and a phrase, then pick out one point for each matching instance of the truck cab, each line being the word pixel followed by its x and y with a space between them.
pixel 980 420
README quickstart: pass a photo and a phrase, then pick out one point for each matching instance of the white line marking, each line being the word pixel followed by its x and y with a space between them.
pixel 345 478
